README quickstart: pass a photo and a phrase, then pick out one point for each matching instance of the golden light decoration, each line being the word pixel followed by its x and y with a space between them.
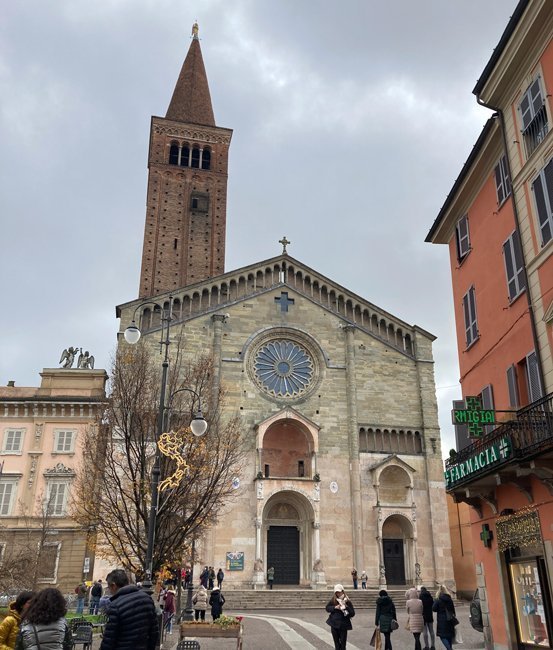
pixel 521 528
pixel 171 444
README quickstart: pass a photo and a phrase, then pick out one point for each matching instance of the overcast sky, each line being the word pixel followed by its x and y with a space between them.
pixel 351 122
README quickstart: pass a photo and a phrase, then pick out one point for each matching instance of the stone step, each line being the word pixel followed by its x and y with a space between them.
pixel 237 600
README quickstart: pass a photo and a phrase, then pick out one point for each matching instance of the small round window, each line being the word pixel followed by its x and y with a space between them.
pixel 283 368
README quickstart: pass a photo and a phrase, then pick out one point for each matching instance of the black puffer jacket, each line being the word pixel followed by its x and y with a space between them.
pixel 132 621
pixel 338 619
pixel 385 613
pixel 444 606
pixel 51 636
pixel 427 602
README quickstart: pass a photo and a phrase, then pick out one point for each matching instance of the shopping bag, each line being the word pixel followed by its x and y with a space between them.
pixel 457 638
pixel 376 641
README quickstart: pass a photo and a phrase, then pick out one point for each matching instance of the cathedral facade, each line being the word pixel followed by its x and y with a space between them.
pixel 335 396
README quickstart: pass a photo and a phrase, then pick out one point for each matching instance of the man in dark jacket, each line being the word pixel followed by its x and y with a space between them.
pixel 132 621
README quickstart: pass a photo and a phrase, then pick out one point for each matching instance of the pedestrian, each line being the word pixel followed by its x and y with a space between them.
pixel 132 617
pixel 270 576
pixel 211 577
pixel 80 590
pixel 428 616
pixel 415 619
pixel 385 614
pixel 445 613
pixel 95 595
pixel 204 576
pixel 9 628
pixel 364 578
pixel 354 577
pixel 103 605
pixel 200 603
pixel 44 625
pixel 341 611
pixel 169 609
pixel 220 578
pixel 216 600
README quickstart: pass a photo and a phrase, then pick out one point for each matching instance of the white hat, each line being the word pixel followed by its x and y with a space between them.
pixel 338 588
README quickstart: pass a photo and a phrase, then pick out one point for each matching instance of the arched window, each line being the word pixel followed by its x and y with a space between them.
pixel 174 154
pixel 195 158
pixel 206 159
pixel 184 156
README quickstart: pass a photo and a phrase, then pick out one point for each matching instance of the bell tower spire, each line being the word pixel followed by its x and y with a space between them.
pixel 184 236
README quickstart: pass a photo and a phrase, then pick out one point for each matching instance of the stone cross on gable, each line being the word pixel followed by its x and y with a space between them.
pixel 284 243
pixel 284 301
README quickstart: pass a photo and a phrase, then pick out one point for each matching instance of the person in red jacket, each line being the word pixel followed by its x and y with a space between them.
pixel 169 609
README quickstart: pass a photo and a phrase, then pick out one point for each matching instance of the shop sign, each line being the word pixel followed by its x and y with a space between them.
pixel 486 457
pixel 235 561
pixel 473 416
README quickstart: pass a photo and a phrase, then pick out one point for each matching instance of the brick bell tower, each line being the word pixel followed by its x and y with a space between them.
pixel 184 236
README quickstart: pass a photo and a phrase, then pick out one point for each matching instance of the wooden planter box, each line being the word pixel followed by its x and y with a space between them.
pixel 209 630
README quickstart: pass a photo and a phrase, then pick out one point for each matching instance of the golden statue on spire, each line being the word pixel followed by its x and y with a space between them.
pixel 195 30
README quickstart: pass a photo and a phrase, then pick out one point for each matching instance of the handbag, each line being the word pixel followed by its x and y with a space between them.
pixel 394 625
pixel 376 640
pixel 450 617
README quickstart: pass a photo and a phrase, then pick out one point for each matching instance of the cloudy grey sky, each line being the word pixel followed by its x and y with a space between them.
pixel 351 121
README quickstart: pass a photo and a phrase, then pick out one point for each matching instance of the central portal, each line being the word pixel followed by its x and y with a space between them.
pixel 283 553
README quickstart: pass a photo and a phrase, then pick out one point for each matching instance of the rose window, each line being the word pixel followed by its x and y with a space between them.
pixel 283 368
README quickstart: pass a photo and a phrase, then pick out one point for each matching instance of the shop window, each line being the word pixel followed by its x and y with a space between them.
pixel 530 602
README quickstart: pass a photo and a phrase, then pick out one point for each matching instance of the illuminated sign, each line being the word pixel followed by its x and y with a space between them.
pixel 486 457
pixel 474 416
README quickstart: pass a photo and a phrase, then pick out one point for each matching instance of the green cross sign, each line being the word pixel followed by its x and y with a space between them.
pixel 474 416
pixel 486 536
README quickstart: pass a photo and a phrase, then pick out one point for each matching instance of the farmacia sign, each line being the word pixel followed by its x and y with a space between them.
pixel 486 457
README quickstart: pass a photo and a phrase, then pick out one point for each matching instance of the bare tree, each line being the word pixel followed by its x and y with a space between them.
pixel 28 557
pixel 113 491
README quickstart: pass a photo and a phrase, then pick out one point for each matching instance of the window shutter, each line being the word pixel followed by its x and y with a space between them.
pixel 509 268
pixel 543 192
pixel 463 238
pixel 5 498
pixel 462 439
pixel 472 304
pixel 525 111
pixel 535 96
pixel 533 377
pixel 467 319
pixel 512 383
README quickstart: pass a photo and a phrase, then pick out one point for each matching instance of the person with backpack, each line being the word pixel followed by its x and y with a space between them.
pixel 80 590
pixel 216 600
pixel 95 594
pixel 220 578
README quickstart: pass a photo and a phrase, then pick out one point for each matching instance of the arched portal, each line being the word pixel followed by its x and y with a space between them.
pixel 287 525
pixel 287 450
pixel 398 549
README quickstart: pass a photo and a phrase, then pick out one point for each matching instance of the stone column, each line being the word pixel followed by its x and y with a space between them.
pixel 318 580
pixel 353 434
pixel 258 581
pixel 218 320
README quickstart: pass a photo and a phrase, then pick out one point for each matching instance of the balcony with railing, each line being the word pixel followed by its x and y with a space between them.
pixel 528 435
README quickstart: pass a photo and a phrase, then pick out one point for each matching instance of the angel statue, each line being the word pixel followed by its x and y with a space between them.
pixel 86 360
pixel 68 357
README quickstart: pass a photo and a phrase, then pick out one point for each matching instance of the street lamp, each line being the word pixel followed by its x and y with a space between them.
pixel 198 425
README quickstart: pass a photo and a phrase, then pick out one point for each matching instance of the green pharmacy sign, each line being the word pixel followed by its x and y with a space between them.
pixel 486 457
pixel 474 416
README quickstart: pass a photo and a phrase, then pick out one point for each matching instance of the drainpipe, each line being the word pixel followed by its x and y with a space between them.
pixel 537 350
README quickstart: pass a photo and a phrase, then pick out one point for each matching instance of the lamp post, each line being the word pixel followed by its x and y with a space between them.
pixel 198 425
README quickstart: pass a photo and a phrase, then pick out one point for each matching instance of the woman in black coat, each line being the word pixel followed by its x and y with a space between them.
pixel 428 617
pixel 445 610
pixel 216 600
pixel 385 614
pixel 340 612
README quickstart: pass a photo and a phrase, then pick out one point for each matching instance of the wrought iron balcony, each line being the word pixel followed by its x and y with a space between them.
pixel 536 131
pixel 529 434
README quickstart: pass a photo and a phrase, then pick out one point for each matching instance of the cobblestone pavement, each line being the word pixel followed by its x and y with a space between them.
pixel 307 630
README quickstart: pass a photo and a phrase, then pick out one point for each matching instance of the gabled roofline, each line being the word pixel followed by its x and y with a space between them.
pixel 500 47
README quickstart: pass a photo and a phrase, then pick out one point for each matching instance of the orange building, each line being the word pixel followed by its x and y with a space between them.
pixel 498 223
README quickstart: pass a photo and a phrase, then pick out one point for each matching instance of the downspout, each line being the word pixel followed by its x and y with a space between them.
pixel 537 350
